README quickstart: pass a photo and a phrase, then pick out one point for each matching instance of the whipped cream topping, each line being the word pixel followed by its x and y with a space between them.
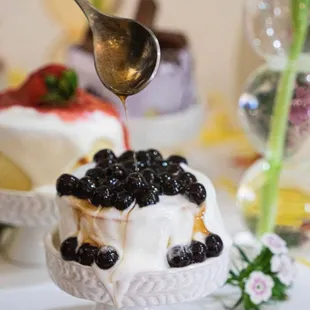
pixel 141 236
pixel 44 145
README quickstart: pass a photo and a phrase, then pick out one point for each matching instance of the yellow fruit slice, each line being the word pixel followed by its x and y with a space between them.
pixel 13 177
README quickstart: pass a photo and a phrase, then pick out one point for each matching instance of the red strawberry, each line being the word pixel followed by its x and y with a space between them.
pixel 53 84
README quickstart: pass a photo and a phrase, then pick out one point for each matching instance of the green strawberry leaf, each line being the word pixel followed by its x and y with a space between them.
pixel 51 81
pixel 71 77
pixel 52 97
pixel 60 89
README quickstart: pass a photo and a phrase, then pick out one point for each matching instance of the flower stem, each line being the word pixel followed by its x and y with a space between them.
pixel 279 120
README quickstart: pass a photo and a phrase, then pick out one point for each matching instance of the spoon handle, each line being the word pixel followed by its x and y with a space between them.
pixel 86 7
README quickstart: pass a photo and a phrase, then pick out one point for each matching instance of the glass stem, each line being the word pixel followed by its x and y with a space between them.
pixel 279 120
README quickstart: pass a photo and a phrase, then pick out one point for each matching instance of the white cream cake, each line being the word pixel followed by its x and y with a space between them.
pixel 138 213
pixel 48 126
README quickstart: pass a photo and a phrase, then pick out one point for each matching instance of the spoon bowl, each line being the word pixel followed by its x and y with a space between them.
pixel 127 54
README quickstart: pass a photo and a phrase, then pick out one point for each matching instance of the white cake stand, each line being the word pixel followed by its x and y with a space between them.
pixel 146 290
pixel 33 215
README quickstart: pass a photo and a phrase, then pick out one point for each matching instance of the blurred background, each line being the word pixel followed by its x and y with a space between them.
pixel 215 64
pixel 42 30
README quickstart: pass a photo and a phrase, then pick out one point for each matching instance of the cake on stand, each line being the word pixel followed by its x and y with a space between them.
pixel 40 140
pixel 33 214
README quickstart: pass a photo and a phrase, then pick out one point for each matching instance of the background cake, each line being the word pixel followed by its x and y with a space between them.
pixel 49 126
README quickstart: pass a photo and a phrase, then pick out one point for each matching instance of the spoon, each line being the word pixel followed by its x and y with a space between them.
pixel 127 54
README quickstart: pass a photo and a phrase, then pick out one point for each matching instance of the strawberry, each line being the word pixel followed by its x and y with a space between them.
pixel 50 85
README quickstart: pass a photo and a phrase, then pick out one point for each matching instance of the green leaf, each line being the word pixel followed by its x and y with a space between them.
pixel 71 77
pixel 52 97
pixel 234 275
pixel 235 306
pixel 243 255
pixel 67 84
pixel 51 81
pixel 247 303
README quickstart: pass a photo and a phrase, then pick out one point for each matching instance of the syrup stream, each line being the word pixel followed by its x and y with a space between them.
pixel 123 99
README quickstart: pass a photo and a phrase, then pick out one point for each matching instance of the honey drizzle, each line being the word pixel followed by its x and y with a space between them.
pixel 123 99
pixel 199 225
pixel 79 206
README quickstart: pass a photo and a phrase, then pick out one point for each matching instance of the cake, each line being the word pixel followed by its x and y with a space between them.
pixel 137 213
pixel 49 126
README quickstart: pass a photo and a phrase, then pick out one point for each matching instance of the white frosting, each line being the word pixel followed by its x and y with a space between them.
pixel 141 235
pixel 43 145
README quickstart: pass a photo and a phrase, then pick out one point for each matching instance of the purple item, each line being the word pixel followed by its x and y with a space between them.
pixel 172 90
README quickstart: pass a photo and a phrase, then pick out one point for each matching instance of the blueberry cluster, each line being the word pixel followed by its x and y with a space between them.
pixel 197 252
pixel 134 176
pixel 88 254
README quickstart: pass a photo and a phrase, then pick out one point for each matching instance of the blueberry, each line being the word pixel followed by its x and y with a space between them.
pixel 160 165
pixel 107 257
pixel 96 174
pixel 116 171
pixel 179 256
pixel 85 188
pixel 199 251
pixel 132 166
pixel 119 186
pixel 67 185
pixel 164 177
pixel 144 156
pixel 104 154
pixel 111 183
pixel 174 169
pixel 214 245
pixel 101 197
pixel 105 163
pixel 196 193
pixel 155 188
pixel 123 200
pixel 127 156
pixel 134 182
pixel 147 197
pixel 86 254
pixel 186 178
pixel 149 175
pixel 171 187
pixel 68 249
pixel 176 159
pixel 155 155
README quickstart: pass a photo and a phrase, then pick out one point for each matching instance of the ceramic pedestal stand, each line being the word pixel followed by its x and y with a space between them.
pixel 146 290
pixel 33 215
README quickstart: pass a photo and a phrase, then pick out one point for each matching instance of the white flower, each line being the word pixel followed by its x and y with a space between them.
pixel 274 243
pixel 259 287
pixel 285 268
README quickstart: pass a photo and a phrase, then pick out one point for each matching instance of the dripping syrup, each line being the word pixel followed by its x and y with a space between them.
pixel 123 99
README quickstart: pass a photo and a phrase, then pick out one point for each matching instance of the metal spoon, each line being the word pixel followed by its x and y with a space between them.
pixel 127 54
